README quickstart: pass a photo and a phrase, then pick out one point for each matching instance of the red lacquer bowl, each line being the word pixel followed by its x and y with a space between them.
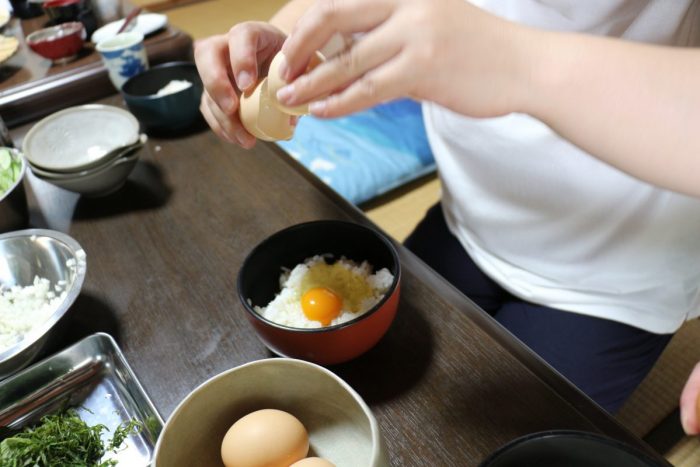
pixel 58 43
pixel 258 283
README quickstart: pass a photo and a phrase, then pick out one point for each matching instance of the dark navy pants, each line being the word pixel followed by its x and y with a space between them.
pixel 605 359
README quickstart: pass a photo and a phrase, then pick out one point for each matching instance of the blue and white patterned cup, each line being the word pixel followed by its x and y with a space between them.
pixel 124 56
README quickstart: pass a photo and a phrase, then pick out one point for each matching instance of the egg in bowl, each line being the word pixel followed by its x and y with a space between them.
pixel 319 293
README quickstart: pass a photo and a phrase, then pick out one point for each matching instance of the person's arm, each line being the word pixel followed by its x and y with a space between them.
pixel 633 105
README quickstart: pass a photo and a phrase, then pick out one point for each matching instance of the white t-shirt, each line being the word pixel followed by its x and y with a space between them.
pixel 552 224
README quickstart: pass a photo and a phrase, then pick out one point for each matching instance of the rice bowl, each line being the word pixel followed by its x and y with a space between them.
pixel 259 284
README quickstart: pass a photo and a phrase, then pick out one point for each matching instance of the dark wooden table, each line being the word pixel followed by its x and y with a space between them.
pixel 31 87
pixel 447 384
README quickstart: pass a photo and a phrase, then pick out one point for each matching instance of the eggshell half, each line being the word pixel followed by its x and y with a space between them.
pixel 336 44
pixel 261 117
pixel 275 83
pixel 262 114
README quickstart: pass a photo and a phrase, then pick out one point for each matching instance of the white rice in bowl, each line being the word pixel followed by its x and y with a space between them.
pixel 354 283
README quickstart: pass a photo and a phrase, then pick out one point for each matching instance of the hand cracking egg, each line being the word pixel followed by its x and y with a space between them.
pixel 262 114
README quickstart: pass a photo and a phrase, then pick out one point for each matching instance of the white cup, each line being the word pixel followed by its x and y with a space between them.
pixel 124 56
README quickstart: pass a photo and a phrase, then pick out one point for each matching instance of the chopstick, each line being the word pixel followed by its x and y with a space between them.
pixel 133 14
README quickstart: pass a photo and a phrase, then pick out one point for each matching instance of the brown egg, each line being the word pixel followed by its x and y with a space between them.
pixel 265 438
pixel 313 462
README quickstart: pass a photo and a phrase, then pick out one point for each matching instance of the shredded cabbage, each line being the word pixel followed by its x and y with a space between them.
pixel 10 167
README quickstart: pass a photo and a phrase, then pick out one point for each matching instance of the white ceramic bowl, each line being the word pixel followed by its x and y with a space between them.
pixel 108 161
pixel 104 181
pixel 79 138
pixel 341 426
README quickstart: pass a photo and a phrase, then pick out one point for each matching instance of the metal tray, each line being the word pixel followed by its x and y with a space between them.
pixel 93 377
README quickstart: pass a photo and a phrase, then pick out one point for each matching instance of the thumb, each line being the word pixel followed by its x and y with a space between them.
pixel 690 403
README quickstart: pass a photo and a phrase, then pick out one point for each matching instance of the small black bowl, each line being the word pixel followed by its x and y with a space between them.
pixel 25 9
pixel 568 448
pixel 168 113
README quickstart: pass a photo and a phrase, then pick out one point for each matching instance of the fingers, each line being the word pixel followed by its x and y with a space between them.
pixel 227 64
pixel 231 62
pixel 211 58
pixel 372 50
pixel 690 403
pixel 248 45
pixel 321 21
pixel 228 128
pixel 377 86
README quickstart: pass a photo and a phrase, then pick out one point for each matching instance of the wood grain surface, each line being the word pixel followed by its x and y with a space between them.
pixel 447 384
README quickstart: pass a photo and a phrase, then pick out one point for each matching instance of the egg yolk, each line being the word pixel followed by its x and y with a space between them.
pixel 321 304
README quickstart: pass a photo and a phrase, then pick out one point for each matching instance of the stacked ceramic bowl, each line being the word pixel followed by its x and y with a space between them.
pixel 89 149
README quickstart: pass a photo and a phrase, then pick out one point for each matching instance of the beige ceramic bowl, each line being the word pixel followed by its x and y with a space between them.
pixel 79 138
pixel 98 182
pixel 341 426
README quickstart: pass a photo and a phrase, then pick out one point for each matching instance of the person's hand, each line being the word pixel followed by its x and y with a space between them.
pixel 231 63
pixel 690 403
pixel 446 51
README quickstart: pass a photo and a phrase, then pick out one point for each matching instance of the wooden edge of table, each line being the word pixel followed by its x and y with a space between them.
pixel 579 401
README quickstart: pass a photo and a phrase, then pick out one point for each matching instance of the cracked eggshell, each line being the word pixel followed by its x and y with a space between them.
pixel 275 83
pixel 336 44
pixel 261 117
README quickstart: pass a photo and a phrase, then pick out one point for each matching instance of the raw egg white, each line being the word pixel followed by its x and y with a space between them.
pixel 265 438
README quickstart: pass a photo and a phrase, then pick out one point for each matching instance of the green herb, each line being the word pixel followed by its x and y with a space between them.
pixel 63 440
pixel 10 167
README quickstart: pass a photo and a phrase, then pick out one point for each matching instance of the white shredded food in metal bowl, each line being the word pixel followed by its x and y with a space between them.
pixel 23 307
pixel 354 283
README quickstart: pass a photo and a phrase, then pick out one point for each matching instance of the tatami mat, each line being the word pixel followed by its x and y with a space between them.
pixel 210 17
pixel 658 394
pixel 400 211
pixel 686 453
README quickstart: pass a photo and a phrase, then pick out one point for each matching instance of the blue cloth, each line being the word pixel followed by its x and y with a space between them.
pixel 365 154
pixel 605 359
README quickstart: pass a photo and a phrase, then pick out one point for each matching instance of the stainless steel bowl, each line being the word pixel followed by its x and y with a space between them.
pixel 14 213
pixel 25 254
